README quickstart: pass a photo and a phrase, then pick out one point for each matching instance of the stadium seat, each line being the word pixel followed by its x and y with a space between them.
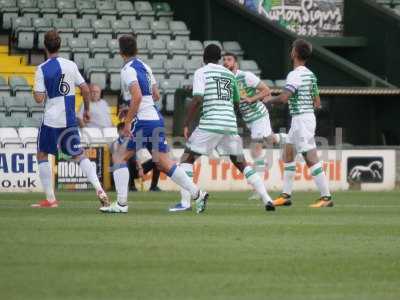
pixel 23 32
pixel 177 49
pixel 113 67
pixel 16 104
pixel 161 30
pixel 110 134
pixel 142 45
pixel 113 47
pixel 209 42
pixel 157 66
pixel 192 65
pixel 168 87
pixel 141 28
pixel 19 84
pixel 195 48
pixel 83 28
pixel 187 83
pixel 28 135
pixel 9 136
pixel 42 25
pixel 233 47
pixel 121 27
pixel 179 30
pixel 65 50
pixel 32 122
pixel 102 29
pixel 48 8
pixel 95 71
pixel 107 10
pixel 67 9
pixel 99 48
pixel 80 50
pixel 92 135
pixel 5 89
pixel 157 49
pixel 144 10
pixel 250 65
pixel 175 68
pixel 3 108
pixel 9 10
pixel 28 8
pixel 163 11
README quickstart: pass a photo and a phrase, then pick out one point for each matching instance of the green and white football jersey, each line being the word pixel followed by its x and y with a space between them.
pixel 247 83
pixel 217 85
pixel 303 84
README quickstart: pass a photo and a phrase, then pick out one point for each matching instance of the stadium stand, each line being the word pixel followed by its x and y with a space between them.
pixel 90 32
pixel 393 5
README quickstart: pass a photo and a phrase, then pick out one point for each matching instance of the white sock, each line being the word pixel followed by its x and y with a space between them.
pixel 317 171
pixel 288 177
pixel 45 178
pixel 185 195
pixel 258 185
pixel 89 169
pixel 178 175
pixel 259 165
pixel 121 181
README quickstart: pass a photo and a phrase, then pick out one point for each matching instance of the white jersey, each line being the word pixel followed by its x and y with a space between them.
pixel 137 71
pixel 57 77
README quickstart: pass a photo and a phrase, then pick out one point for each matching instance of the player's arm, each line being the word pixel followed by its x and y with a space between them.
pixel 136 99
pixel 263 92
pixel 316 97
pixel 192 110
pixel 281 98
pixel 85 91
pixel 39 91
pixel 156 93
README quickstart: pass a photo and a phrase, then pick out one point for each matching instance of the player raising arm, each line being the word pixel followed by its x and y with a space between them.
pixel 301 92
pixel 55 82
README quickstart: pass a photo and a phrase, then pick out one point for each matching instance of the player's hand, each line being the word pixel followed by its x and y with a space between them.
pixel 317 105
pixel 127 130
pixel 86 116
pixel 186 132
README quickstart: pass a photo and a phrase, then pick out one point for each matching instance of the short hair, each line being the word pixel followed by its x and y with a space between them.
pixel 128 45
pixel 231 54
pixel 303 49
pixel 212 53
pixel 52 41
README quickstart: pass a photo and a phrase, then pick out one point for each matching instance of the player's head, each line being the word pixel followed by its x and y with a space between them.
pixel 230 61
pixel 127 46
pixel 301 50
pixel 52 41
pixel 212 54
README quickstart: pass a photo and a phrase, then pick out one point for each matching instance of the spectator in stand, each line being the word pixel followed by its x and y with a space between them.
pixel 99 110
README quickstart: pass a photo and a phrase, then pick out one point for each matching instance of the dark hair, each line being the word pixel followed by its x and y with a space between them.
pixel 120 126
pixel 231 54
pixel 303 49
pixel 52 41
pixel 128 45
pixel 212 54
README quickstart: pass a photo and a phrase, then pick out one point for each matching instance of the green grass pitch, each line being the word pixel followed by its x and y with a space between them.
pixel 235 250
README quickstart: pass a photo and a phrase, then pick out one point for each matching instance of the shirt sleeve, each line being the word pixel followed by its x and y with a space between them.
pixel 292 82
pixel 252 80
pixel 39 81
pixel 129 76
pixel 198 83
pixel 78 76
pixel 315 89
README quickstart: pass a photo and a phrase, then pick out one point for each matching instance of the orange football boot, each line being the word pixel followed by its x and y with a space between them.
pixel 323 202
pixel 283 200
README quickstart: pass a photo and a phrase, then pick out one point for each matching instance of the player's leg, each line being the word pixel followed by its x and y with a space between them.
pixel 70 144
pixel 46 144
pixel 317 171
pixel 253 179
pixel 289 173
pixel 187 160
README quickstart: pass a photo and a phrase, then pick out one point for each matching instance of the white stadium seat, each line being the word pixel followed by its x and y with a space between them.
pixel 28 136
pixel 92 135
pixel 110 134
pixel 9 137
